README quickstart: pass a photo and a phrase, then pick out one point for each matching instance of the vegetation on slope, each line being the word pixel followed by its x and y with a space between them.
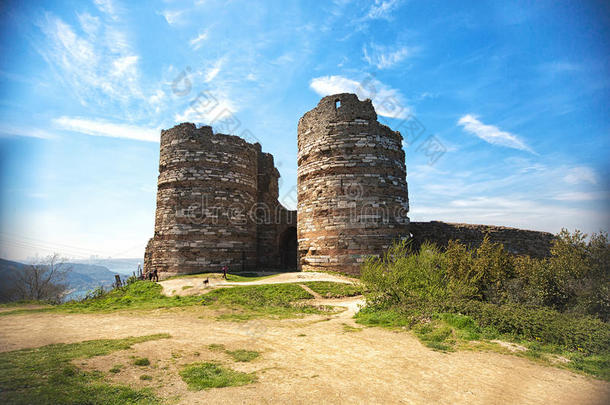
pixel 557 305
pixel 45 375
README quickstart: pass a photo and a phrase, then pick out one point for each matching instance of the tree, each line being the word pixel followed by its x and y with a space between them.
pixel 43 280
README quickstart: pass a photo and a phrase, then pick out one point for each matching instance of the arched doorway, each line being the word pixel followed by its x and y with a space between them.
pixel 288 248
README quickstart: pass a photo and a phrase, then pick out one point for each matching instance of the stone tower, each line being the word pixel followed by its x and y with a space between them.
pixel 216 205
pixel 352 190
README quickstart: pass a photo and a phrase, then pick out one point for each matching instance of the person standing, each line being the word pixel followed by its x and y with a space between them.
pixel 224 272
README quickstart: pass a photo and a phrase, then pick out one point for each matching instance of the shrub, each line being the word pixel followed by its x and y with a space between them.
pixel 578 333
pixel 141 361
pixel 200 376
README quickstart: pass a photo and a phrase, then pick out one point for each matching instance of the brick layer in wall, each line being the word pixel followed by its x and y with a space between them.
pixel 352 190
pixel 207 185
pixel 516 241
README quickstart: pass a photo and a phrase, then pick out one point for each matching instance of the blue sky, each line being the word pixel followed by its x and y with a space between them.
pixel 516 94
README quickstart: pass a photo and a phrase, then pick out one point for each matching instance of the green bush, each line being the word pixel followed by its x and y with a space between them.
pixel 572 332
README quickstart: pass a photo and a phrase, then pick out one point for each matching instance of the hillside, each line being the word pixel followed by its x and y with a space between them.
pixel 81 278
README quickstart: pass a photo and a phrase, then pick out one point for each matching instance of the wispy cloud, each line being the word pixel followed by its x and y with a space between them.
pixel 583 196
pixel 581 174
pixel 173 17
pixel 108 129
pixel 108 7
pixel 492 134
pixel 27 132
pixel 208 109
pixel 388 102
pixel 100 63
pixel 383 57
pixel 198 40
pixel 211 73
pixel 382 9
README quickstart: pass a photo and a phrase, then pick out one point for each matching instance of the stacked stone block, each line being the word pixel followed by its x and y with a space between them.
pixel 207 203
pixel 352 190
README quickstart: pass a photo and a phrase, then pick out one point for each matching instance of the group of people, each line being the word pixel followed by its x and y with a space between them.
pixel 150 275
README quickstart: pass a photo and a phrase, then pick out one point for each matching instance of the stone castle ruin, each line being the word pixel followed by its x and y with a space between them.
pixel 217 199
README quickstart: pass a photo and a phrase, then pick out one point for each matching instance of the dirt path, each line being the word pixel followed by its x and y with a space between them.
pixel 195 285
pixel 315 359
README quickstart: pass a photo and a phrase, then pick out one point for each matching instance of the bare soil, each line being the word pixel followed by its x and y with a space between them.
pixel 314 359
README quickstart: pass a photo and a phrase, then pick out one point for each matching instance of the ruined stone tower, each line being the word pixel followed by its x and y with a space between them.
pixel 352 190
pixel 217 205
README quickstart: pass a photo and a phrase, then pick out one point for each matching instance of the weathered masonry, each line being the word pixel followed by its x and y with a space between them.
pixel 217 206
pixel 352 189
pixel 217 199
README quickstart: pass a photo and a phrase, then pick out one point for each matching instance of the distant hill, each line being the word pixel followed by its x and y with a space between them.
pixel 81 278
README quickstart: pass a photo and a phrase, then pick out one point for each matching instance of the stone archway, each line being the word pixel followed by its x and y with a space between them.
pixel 288 248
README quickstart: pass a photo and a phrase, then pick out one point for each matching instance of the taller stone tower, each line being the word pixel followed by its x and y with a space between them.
pixel 352 189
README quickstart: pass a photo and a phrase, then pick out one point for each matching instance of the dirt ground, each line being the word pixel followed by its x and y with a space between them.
pixel 314 359
pixel 195 285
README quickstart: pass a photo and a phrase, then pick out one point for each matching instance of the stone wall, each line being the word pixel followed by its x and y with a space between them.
pixel 516 241
pixel 208 204
pixel 352 189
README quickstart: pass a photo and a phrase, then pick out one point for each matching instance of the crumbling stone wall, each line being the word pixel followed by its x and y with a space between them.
pixel 516 241
pixel 209 204
pixel 352 190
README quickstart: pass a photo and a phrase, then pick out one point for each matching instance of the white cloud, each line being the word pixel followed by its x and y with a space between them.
pixel 492 134
pixel 383 57
pixel 387 101
pixel 28 132
pixel 382 9
pixel 198 40
pixel 173 17
pixel 212 72
pixel 88 23
pixel 107 7
pixel 98 67
pixel 583 196
pixel 580 174
pixel 208 109
pixel 108 129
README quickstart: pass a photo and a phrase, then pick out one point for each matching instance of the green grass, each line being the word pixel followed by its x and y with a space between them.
pixel 141 361
pixel 249 302
pixel 239 303
pixel 349 328
pixel 449 332
pixel 116 368
pixel 45 375
pixel 145 377
pixel 186 287
pixel 329 289
pixel 215 347
pixel 201 376
pixel 242 355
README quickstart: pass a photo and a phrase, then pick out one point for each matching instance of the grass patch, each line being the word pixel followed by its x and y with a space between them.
pixel 201 376
pixel 215 347
pixel 242 355
pixel 186 287
pixel 45 375
pixel 349 328
pixel 248 302
pixel 329 289
pixel 116 368
pixel 141 361
pixel 243 302
pixel 145 377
